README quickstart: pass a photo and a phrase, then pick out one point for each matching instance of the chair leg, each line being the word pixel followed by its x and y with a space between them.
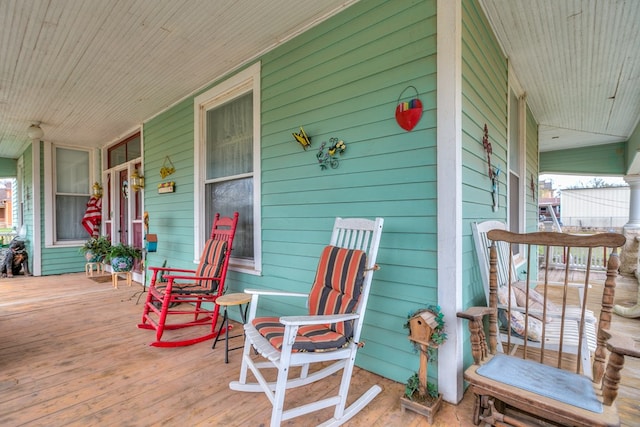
pixel 585 355
pixel 344 387
pixel 145 310
pixel 278 401
pixel 163 317
pixel 243 367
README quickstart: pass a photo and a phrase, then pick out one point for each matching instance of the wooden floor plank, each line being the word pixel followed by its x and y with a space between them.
pixel 71 355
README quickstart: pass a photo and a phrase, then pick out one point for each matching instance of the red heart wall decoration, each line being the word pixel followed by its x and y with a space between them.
pixel 408 114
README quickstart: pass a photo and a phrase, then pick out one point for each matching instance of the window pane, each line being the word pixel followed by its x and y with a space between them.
pixel 227 198
pixel 229 138
pixel 133 148
pixel 72 171
pixel 69 213
pixel 514 133
pixel 117 155
pixel 514 207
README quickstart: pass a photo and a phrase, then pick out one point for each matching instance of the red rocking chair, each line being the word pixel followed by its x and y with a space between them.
pixel 191 294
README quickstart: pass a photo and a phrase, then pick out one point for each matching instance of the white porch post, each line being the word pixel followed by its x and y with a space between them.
pixel 449 175
pixel 629 253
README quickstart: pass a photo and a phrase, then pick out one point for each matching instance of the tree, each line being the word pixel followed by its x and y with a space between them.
pixel 594 182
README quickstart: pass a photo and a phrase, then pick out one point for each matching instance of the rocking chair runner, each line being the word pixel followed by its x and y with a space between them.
pixel 329 333
pixel 537 381
pixel 182 293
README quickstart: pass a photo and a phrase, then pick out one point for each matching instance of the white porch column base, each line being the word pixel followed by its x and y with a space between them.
pixel 629 253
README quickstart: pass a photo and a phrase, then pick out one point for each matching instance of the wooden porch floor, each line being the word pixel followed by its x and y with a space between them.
pixel 70 354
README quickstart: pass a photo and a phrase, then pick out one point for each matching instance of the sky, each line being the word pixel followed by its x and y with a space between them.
pixel 566 181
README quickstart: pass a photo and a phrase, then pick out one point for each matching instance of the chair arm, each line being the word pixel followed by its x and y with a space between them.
pixel 179 270
pixel 317 320
pixel 255 294
pixel 479 348
pixel 622 344
pixel 474 313
pixel 184 277
pixel 268 292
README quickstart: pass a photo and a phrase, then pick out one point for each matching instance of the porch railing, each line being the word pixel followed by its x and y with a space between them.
pixel 576 258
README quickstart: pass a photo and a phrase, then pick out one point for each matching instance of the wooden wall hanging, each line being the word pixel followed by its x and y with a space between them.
pixel 493 173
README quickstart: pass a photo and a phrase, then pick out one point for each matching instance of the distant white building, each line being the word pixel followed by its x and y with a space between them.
pixel 595 208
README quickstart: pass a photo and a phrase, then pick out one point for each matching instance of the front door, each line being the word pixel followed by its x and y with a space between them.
pixel 123 208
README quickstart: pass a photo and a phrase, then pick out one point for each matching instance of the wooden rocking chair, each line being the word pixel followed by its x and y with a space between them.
pixel 329 333
pixel 536 383
pixel 182 293
pixel 506 269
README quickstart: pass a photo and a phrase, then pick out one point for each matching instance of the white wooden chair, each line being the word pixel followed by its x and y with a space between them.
pixel 329 333
pixel 570 342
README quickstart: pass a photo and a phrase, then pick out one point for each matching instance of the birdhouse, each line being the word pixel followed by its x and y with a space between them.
pixel 421 326
pixel 152 242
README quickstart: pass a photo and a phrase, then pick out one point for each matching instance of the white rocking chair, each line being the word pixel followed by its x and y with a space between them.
pixel 329 333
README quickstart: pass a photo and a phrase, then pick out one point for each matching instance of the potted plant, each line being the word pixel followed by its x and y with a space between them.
pixel 121 257
pixel 96 248
pixel 426 331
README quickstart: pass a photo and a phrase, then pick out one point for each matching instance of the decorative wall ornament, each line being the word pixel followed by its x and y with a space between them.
pixel 167 168
pixel 125 189
pixel 408 113
pixel 302 138
pixel 166 187
pixel 327 158
pixel 532 185
pixel 493 172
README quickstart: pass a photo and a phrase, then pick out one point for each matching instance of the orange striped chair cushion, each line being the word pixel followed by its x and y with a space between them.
pixel 210 266
pixel 336 290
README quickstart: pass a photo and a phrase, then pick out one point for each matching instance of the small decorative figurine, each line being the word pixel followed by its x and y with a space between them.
pixel 328 157
pixel 302 138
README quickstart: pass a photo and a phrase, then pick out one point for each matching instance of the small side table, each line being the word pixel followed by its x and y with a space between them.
pixel 88 268
pixel 114 278
pixel 225 301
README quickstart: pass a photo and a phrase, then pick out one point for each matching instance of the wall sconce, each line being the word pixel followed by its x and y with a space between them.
pixel 136 181
pixel 97 190
pixel 35 132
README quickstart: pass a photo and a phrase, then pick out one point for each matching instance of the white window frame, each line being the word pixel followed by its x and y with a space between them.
pixel 245 81
pixel 50 232
pixel 516 88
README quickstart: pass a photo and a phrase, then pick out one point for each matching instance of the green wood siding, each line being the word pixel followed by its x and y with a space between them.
pixel 8 167
pixel 171 215
pixel 607 159
pixel 484 101
pixel 27 186
pixel 341 79
pixel 531 178
pixel 633 145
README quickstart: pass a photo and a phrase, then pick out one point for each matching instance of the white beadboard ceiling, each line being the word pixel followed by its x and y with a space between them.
pixel 578 62
pixel 93 70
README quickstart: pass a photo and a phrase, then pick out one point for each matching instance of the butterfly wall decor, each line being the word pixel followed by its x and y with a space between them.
pixel 302 138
